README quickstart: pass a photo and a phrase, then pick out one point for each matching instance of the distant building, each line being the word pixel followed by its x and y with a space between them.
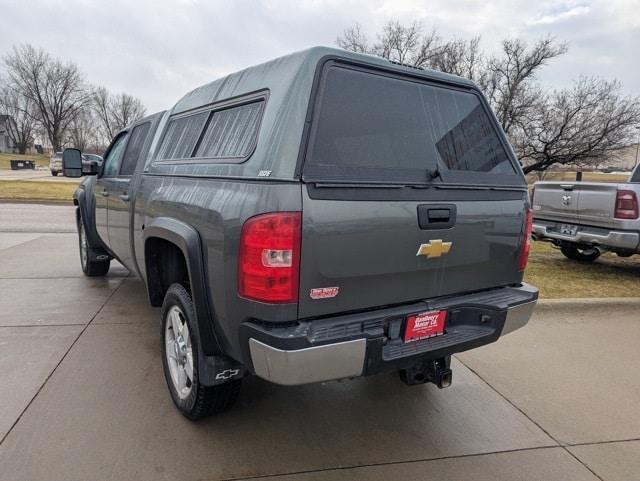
pixel 6 144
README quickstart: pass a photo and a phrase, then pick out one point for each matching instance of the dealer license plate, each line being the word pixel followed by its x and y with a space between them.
pixel 424 325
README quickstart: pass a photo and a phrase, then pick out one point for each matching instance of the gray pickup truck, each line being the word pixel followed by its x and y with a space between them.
pixel 586 219
pixel 321 216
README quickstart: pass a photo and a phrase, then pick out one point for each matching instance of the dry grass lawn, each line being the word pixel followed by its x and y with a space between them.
pixel 31 190
pixel 5 158
pixel 558 277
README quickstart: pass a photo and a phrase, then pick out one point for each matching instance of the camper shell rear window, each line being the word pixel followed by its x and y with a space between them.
pixel 379 127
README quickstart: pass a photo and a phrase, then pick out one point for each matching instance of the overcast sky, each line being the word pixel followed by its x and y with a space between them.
pixel 158 50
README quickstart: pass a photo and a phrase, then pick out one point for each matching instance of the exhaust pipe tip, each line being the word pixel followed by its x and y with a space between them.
pixel 444 378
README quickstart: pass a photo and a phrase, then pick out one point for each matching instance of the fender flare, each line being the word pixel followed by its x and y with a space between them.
pixel 188 240
pixel 81 199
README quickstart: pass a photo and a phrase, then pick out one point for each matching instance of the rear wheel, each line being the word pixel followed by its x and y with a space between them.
pixel 54 173
pixel 180 361
pixel 573 252
pixel 91 266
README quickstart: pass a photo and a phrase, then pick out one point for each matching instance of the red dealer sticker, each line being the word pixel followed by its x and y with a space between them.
pixel 424 325
pixel 324 292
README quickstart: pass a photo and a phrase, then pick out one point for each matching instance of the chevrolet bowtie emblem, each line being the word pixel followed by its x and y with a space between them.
pixel 434 248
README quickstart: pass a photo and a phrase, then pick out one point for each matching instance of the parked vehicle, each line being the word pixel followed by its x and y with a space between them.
pixel 55 164
pixel 88 158
pixel 89 162
pixel 325 215
pixel 585 219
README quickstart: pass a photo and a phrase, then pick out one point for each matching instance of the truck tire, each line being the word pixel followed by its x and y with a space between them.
pixel 180 360
pixel 90 266
pixel 576 253
pixel 54 173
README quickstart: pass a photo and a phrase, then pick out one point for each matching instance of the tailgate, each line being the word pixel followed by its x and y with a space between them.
pixel 395 166
pixel 585 203
pixel 596 204
pixel 556 201
pixel 366 252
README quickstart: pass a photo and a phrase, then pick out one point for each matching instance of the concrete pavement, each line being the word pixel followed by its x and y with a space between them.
pixel 82 394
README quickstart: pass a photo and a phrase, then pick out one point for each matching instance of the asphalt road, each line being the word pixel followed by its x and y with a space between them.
pixel 82 395
pixel 28 174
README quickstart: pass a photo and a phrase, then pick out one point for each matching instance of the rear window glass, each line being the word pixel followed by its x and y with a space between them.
pixel 375 128
pixel 231 132
pixel 181 136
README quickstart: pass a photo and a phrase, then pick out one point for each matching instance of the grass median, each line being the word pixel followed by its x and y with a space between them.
pixel 34 191
pixel 558 277
pixel 41 160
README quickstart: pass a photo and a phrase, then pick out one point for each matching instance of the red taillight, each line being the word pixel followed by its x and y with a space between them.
pixel 269 260
pixel 626 205
pixel 526 241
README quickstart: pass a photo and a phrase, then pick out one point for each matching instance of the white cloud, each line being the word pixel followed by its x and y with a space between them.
pixel 561 15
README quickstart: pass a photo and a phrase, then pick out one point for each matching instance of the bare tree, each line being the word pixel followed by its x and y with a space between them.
pixel 83 132
pixel 21 122
pixel 57 89
pixel 354 40
pixel 460 57
pixel 115 112
pixel 509 83
pixel 126 109
pixel 583 125
pixel 102 109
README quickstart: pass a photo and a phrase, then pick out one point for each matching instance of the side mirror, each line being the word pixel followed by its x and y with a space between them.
pixel 72 163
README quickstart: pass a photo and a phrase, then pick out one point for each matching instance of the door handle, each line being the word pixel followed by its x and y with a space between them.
pixel 436 216
pixel 124 197
pixel 439 215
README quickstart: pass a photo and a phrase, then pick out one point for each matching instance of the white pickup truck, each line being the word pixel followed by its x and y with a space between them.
pixel 586 219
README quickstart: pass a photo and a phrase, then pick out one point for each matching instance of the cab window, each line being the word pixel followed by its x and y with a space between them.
pixel 112 161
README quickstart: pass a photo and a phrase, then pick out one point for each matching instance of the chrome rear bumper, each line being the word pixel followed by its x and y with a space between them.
pixel 339 360
pixel 606 238
pixel 312 364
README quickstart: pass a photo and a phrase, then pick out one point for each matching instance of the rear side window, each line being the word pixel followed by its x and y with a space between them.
pixel 231 132
pixel 181 136
pixel 134 148
pixel 377 128
pixel 228 133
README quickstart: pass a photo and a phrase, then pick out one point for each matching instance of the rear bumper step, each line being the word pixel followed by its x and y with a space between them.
pixel 358 344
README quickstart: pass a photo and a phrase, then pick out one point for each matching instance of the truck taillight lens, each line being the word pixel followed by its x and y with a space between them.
pixel 526 242
pixel 269 260
pixel 626 205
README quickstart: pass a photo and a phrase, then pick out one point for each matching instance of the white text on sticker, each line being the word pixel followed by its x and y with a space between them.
pixel 324 292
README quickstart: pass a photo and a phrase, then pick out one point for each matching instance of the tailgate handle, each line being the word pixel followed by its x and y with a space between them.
pixel 567 186
pixel 441 216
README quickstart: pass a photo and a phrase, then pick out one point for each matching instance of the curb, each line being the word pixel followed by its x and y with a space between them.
pixel 578 303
